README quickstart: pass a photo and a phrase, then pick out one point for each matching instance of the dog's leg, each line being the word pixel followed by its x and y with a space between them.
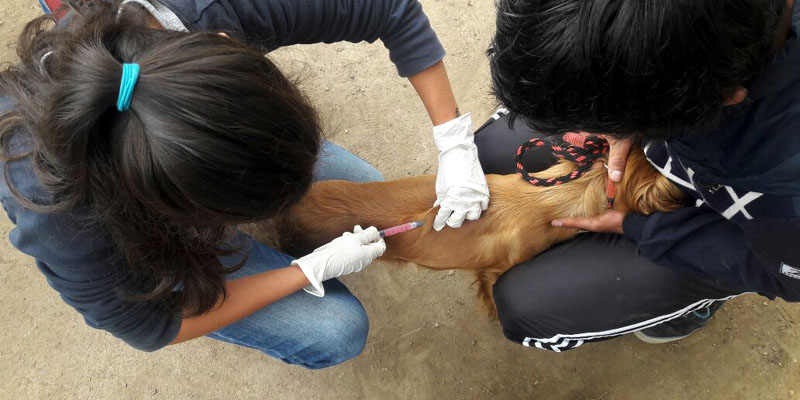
pixel 333 207
pixel 485 279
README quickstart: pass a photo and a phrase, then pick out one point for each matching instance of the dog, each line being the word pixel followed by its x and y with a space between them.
pixel 514 228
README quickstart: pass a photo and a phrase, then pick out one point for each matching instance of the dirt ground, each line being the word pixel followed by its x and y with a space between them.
pixel 428 338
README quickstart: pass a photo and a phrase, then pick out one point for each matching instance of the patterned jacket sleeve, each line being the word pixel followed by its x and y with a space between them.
pixel 761 255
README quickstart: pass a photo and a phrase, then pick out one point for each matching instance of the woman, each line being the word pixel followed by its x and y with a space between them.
pixel 132 153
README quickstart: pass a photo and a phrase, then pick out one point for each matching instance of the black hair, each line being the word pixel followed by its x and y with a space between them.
pixel 215 136
pixel 623 67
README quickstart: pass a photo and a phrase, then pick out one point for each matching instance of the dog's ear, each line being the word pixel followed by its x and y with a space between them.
pixel 644 190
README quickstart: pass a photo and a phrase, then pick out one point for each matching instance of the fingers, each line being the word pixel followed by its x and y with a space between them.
pixel 376 249
pixel 372 245
pixel 356 229
pixel 459 204
pixel 618 156
pixel 453 218
pixel 441 218
pixel 456 219
pixel 368 235
pixel 610 222
pixel 574 223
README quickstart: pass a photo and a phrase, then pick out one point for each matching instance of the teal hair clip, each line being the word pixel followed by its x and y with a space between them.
pixel 130 74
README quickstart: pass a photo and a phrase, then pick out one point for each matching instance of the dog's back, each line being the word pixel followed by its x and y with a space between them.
pixel 515 227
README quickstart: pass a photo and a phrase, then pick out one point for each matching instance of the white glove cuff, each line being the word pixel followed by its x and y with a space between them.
pixel 315 288
pixel 454 133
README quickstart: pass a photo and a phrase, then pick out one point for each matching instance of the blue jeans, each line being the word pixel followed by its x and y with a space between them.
pixel 314 332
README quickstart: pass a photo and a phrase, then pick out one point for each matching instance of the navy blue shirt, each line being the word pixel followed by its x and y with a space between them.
pixel 399 24
pixel 743 176
pixel 78 257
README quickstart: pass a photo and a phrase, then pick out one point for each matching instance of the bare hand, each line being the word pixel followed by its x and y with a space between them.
pixel 610 222
pixel 617 156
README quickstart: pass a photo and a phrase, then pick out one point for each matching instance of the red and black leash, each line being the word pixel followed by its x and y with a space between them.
pixel 583 150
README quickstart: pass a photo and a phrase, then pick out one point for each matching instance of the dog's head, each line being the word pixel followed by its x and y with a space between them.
pixel 644 190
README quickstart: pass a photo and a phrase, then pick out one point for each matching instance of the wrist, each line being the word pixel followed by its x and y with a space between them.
pixel 458 119
pixel 313 275
pixel 633 226
pixel 433 88
pixel 304 281
pixel 454 133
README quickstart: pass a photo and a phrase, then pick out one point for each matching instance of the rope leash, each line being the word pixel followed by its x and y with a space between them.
pixel 582 150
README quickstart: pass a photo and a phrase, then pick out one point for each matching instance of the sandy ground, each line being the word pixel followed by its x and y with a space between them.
pixel 428 339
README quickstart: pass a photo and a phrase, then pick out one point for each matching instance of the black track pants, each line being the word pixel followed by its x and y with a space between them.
pixel 594 287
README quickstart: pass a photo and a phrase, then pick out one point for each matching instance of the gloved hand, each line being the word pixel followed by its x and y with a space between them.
pixel 461 189
pixel 346 254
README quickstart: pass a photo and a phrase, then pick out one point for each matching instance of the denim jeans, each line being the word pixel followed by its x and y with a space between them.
pixel 314 332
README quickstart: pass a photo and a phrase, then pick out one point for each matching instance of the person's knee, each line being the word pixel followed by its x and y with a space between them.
pixel 493 156
pixel 527 324
pixel 371 174
pixel 348 338
pixel 497 142
pixel 482 142
pixel 336 163
pixel 335 340
pixel 517 313
pixel 528 315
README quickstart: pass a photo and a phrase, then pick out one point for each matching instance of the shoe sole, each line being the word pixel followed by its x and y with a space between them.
pixel 659 340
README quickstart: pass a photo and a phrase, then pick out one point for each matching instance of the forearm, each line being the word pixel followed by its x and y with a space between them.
pixel 695 239
pixel 433 88
pixel 692 240
pixel 244 297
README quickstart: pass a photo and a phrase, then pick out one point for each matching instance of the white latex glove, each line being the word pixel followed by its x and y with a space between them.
pixel 346 254
pixel 461 189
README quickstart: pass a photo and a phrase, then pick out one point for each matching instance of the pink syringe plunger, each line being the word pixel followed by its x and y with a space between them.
pixel 401 228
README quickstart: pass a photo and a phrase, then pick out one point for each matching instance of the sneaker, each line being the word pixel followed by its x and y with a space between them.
pixel 679 328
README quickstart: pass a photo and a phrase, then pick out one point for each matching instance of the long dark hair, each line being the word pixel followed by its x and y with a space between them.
pixel 215 136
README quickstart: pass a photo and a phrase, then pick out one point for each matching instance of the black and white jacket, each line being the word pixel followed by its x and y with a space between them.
pixel 743 176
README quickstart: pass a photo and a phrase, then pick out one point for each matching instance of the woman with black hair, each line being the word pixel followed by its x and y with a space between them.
pixel 133 148
pixel 712 89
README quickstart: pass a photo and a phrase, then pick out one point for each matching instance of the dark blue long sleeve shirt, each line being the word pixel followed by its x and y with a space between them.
pixel 78 257
pixel 399 24
pixel 743 177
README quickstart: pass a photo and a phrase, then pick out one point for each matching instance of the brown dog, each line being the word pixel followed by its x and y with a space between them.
pixel 514 228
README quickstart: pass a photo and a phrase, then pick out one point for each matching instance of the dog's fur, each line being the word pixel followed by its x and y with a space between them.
pixel 514 228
